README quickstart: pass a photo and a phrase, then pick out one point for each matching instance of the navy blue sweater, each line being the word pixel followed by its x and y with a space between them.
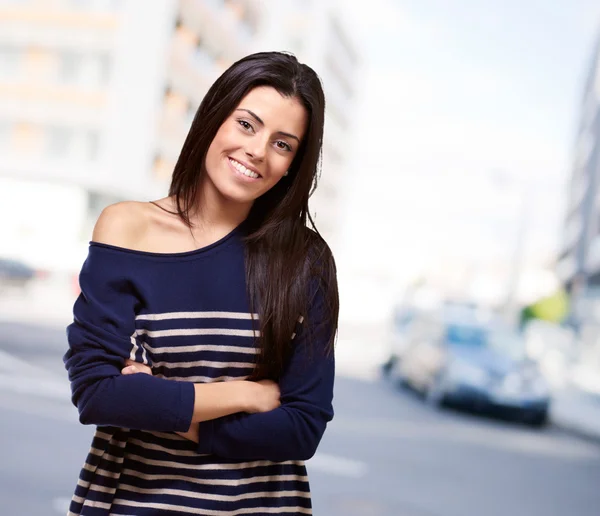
pixel 186 315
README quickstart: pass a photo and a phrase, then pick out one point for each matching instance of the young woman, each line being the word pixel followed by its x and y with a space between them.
pixel 223 294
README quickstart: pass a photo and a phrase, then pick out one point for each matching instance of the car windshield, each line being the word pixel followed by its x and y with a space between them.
pixel 506 342
pixel 465 335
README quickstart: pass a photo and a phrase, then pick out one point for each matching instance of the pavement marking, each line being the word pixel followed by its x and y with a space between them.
pixel 522 441
pixel 337 465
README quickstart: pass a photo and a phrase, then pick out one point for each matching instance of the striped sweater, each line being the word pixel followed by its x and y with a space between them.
pixel 186 315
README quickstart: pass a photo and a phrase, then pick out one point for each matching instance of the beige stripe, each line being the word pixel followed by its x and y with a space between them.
pixel 103 435
pixel 95 487
pixel 214 497
pixel 144 355
pixel 166 435
pixel 78 499
pixel 106 473
pixel 199 331
pixel 202 347
pixel 100 505
pixel 218 481
pixel 202 379
pixel 72 513
pixel 158 447
pixel 204 363
pixel 196 315
pixel 212 512
pixel 96 451
pixel 209 467
pixel 134 346
pixel 118 460
pixel 100 471
pixel 108 438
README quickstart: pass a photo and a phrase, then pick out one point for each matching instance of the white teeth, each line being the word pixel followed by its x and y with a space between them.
pixel 243 170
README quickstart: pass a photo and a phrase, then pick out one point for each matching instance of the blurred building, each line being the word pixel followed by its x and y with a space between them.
pixel 97 96
pixel 579 261
pixel 318 34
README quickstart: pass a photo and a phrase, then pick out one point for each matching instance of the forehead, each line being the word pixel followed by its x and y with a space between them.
pixel 278 112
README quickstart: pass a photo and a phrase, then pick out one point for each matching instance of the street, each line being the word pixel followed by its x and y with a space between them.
pixel 385 453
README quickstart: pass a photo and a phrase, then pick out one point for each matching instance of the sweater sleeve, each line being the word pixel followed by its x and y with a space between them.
pixel 100 338
pixel 294 430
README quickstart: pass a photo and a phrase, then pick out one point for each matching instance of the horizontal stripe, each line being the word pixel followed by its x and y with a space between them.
pixel 202 347
pixel 204 363
pixel 106 473
pixel 208 467
pixel 166 435
pixel 212 512
pixel 202 379
pixel 218 481
pixel 96 504
pixel 196 315
pixel 95 487
pixel 214 497
pixel 158 447
pixel 103 435
pixel 155 334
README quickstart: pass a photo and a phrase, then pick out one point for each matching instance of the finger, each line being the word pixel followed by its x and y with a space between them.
pixel 129 370
pixel 129 362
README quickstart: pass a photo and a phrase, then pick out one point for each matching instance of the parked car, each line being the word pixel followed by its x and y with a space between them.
pixel 463 361
pixel 15 273
pixel 403 317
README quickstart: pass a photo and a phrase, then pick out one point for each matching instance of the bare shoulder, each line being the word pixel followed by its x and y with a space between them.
pixel 122 224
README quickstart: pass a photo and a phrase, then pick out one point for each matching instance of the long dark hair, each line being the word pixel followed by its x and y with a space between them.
pixel 287 263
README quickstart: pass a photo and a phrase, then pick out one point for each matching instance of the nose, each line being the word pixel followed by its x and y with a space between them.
pixel 256 150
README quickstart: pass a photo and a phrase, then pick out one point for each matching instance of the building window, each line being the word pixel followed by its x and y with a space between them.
pixel 10 59
pixel 98 5
pixel 5 132
pixel 26 138
pixel 59 141
pixel 69 143
pixel 91 70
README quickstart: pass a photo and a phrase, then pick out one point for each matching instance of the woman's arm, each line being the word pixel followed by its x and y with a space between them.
pixel 293 430
pixel 220 399
pixel 103 335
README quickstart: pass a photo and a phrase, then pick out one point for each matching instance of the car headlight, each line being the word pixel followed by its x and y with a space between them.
pixel 461 371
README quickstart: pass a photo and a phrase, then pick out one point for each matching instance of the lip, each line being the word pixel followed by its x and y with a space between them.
pixel 249 167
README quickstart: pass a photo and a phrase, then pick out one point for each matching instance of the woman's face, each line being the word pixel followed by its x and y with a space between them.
pixel 255 145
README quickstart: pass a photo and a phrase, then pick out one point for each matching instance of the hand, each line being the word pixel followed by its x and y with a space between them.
pixel 133 367
pixel 263 396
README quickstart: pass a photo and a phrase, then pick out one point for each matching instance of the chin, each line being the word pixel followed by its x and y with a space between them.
pixel 233 194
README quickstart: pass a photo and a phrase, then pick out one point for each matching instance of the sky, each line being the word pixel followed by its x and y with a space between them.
pixel 464 134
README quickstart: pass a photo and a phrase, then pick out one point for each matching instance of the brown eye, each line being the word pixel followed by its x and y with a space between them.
pixel 283 145
pixel 246 125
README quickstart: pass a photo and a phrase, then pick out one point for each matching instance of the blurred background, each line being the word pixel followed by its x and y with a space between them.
pixel 460 194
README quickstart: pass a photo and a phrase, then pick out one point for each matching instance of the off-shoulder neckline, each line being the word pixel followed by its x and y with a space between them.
pixel 182 254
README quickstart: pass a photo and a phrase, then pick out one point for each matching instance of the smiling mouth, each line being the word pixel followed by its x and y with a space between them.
pixel 242 169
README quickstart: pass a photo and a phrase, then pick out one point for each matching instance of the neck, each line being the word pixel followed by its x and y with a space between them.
pixel 215 211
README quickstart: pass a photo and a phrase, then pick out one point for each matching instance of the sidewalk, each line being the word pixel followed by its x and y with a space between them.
pixel 577 411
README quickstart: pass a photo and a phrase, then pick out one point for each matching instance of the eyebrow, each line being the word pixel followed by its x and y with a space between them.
pixel 259 120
